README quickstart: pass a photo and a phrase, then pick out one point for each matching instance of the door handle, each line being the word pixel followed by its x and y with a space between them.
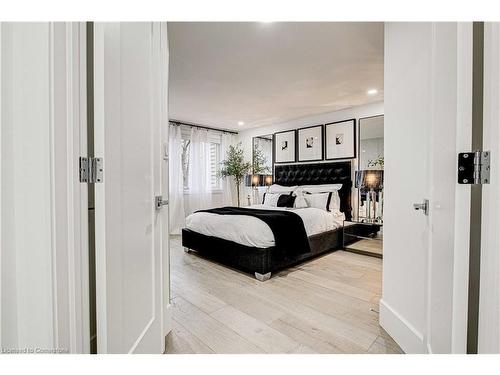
pixel 424 207
pixel 159 202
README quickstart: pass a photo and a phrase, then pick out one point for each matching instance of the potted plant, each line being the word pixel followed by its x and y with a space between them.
pixel 236 166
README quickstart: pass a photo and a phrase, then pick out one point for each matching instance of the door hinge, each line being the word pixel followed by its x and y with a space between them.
pixel 474 168
pixel 91 170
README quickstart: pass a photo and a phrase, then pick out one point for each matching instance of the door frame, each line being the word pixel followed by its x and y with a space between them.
pixel 462 192
pixel 52 59
pixel 165 130
pixel 489 287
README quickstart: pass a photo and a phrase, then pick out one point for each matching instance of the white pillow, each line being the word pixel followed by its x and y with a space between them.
pixel 271 199
pixel 275 188
pixel 320 188
pixel 324 188
pixel 300 201
pixel 279 200
pixel 319 200
pixel 335 201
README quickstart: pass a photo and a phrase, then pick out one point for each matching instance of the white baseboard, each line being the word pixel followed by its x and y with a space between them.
pixel 407 336
pixel 167 325
pixel 167 320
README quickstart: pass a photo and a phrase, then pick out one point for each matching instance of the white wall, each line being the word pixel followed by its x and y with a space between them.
pixel 245 137
pixel 43 236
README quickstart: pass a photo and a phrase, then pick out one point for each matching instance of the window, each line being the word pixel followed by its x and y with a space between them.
pixel 214 165
pixel 214 149
pixel 185 163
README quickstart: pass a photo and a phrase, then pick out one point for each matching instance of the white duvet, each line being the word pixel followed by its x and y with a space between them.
pixel 250 231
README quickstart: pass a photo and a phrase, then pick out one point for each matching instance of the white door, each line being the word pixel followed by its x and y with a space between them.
pixel 131 125
pixel 427 120
pixel 43 205
pixel 489 304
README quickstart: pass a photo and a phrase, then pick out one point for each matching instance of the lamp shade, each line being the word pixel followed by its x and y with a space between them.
pixel 268 180
pixel 257 180
pixel 370 179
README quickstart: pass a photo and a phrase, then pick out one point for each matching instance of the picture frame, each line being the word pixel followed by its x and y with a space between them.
pixel 310 143
pixel 340 140
pixel 284 144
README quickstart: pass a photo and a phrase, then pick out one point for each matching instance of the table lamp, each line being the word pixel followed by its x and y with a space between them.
pixel 373 182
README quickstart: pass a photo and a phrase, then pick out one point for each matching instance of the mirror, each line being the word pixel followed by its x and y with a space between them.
pixel 370 175
pixel 371 143
pixel 262 154
pixel 262 167
pixel 365 235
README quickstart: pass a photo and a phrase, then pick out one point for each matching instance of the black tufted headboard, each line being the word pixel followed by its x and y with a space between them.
pixel 316 174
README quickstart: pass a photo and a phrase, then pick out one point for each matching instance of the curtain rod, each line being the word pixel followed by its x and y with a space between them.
pixel 264 138
pixel 201 127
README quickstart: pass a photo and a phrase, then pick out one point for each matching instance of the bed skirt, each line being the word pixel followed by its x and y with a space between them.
pixel 254 259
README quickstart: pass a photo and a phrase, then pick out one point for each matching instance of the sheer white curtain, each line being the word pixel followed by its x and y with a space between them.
pixel 175 180
pixel 199 170
pixel 227 183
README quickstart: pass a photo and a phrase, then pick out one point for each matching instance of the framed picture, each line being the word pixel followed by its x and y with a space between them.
pixel 284 146
pixel 310 143
pixel 340 140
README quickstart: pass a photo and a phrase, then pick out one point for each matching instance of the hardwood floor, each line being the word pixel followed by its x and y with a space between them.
pixel 321 306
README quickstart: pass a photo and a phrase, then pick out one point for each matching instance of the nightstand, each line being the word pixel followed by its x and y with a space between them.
pixel 363 237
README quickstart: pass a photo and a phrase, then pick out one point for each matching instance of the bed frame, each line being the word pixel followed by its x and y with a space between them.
pixel 263 261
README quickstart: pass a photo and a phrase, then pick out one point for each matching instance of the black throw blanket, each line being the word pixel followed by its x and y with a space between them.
pixel 288 228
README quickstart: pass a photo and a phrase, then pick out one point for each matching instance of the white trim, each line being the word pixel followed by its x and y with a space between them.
pixel 70 206
pixel 52 182
pixel 462 192
pixel 1 127
pixel 167 321
pixel 82 328
pixel 407 336
pixel 166 311
pixel 77 200
pixel 100 219
pixel 489 302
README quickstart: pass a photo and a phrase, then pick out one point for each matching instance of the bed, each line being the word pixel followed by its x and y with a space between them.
pixel 262 240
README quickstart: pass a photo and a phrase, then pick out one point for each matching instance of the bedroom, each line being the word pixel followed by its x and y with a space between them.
pixel 296 112
pixel 368 190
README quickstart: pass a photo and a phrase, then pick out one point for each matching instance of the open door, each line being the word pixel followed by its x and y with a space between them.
pixel 131 125
pixel 489 303
pixel 427 93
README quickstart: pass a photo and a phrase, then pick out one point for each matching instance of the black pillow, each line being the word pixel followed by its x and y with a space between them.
pixel 286 200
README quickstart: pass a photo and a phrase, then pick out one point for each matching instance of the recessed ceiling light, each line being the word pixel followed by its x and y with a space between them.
pixel 241 123
pixel 372 91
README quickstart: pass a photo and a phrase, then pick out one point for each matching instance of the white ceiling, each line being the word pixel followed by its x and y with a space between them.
pixel 265 73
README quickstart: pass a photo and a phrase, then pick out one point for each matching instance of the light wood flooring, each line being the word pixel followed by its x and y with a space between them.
pixel 321 306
